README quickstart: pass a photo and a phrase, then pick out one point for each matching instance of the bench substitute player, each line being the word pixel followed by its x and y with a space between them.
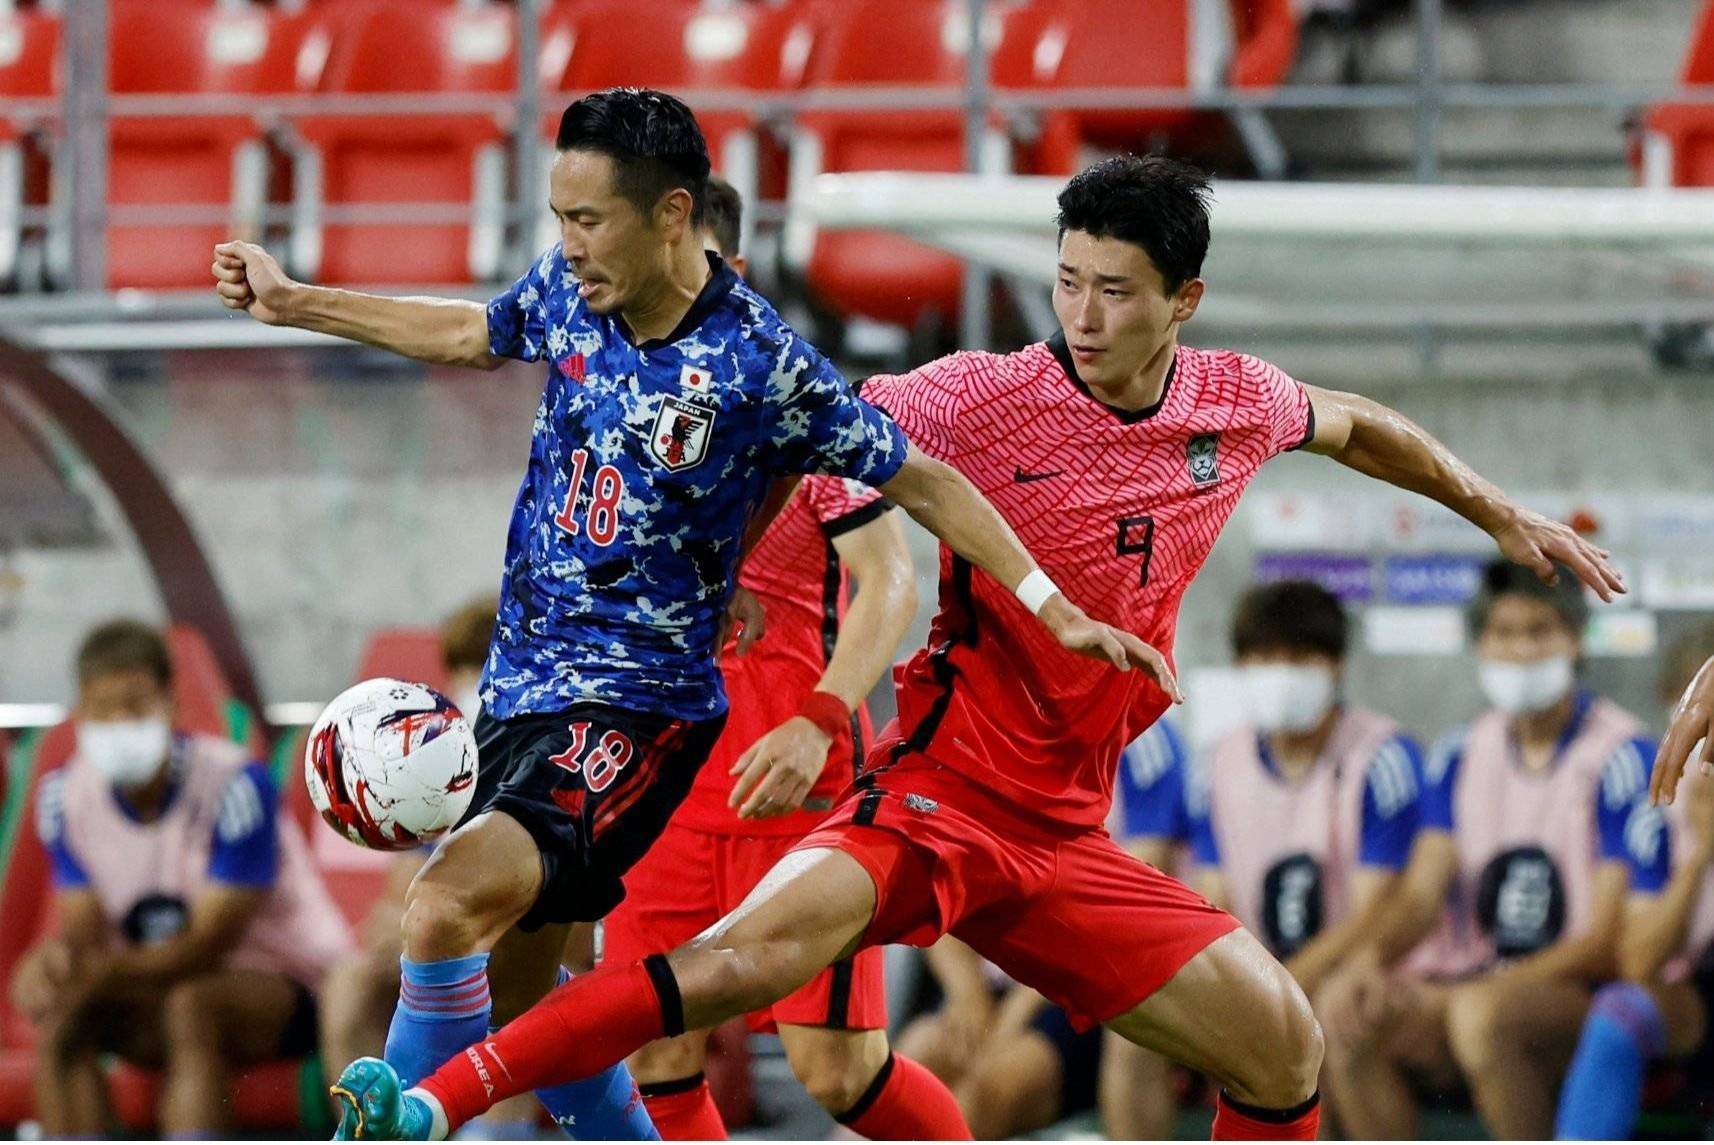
pixel 675 396
pixel 1119 454
pixel 796 731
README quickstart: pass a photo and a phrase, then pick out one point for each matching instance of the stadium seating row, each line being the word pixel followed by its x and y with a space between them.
pixel 278 1095
pixel 736 60
pixel 231 164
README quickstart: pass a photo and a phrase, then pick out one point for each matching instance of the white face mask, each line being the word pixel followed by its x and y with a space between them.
pixel 1286 697
pixel 128 752
pixel 1518 689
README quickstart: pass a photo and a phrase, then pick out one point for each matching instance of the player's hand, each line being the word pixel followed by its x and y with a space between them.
pixel 745 619
pixel 1076 631
pixel 776 774
pixel 1692 726
pixel 1539 543
pixel 246 277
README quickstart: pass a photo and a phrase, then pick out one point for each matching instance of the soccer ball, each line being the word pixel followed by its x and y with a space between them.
pixel 391 765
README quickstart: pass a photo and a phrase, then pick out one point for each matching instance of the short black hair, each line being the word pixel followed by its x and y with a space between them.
pixel 723 215
pixel 1501 577
pixel 1290 615
pixel 124 645
pixel 1159 204
pixel 653 139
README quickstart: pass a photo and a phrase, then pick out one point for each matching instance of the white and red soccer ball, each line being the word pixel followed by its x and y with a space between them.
pixel 391 765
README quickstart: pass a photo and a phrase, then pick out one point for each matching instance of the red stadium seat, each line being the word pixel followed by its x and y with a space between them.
pixel 454 160
pixel 1118 43
pixel 872 273
pixel 683 47
pixel 216 162
pixel 1678 140
pixel 29 69
pixel 266 1097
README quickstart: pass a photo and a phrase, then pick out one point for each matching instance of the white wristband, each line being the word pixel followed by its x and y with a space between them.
pixel 1034 590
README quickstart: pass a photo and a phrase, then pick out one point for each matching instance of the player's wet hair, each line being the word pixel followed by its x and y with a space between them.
pixel 653 139
pixel 1503 578
pixel 465 636
pixel 1154 202
pixel 1290 616
pixel 124 646
pixel 723 215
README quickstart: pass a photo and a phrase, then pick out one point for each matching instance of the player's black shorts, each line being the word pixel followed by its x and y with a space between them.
pixel 594 785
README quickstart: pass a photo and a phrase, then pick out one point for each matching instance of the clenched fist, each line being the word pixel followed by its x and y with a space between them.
pixel 248 278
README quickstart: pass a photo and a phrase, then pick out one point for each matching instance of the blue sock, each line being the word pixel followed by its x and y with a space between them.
pixel 443 1008
pixel 605 1107
pixel 1604 1088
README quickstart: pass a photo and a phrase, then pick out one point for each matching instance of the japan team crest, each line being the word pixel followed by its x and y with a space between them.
pixel 1203 455
pixel 680 437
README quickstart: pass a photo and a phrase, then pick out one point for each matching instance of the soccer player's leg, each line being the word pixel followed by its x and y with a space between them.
pixel 216 1023
pixel 1513 1042
pixel 810 911
pixel 565 803
pixel 1173 974
pixel 671 897
pixel 479 883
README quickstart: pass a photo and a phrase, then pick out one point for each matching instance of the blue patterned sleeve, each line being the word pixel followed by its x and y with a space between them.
pixel 820 425
pixel 518 319
pixel 1439 780
pixel 246 849
pixel 68 872
pixel 1392 805
pixel 1152 799
pixel 1624 788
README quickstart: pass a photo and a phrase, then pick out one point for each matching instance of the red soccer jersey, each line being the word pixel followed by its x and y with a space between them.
pixel 1119 508
pixel 796 574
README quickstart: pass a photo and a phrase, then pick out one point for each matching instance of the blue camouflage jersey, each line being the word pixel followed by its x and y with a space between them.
pixel 647 462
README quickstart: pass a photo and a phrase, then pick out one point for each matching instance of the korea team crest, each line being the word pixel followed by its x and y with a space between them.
pixel 1203 456
pixel 680 437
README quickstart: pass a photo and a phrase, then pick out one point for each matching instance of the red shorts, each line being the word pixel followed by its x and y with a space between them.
pixel 691 879
pixel 1066 911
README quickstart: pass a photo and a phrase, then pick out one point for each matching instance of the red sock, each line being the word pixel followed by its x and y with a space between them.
pixel 906 1103
pixel 1235 1121
pixel 684 1110
pixel 594 1021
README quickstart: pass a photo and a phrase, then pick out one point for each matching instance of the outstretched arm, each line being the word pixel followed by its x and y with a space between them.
pixel 778 770
pixel 945 503
pixel 445 331
pixel 1385 444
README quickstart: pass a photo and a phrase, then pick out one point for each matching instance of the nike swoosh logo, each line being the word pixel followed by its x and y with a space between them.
pixel 1023 478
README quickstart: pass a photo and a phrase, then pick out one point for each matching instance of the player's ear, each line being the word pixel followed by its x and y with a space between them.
pixel 1188 298
pixel 673 212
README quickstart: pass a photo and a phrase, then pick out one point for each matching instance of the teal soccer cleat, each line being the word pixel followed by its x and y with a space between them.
pixel 375 1107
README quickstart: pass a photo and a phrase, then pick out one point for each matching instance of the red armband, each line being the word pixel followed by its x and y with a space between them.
pixel 827 712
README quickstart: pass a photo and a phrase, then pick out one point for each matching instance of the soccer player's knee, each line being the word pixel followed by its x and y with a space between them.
pixel 441 922
pixel 1287 1069
pixel 837 1075
pixel 667 1060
